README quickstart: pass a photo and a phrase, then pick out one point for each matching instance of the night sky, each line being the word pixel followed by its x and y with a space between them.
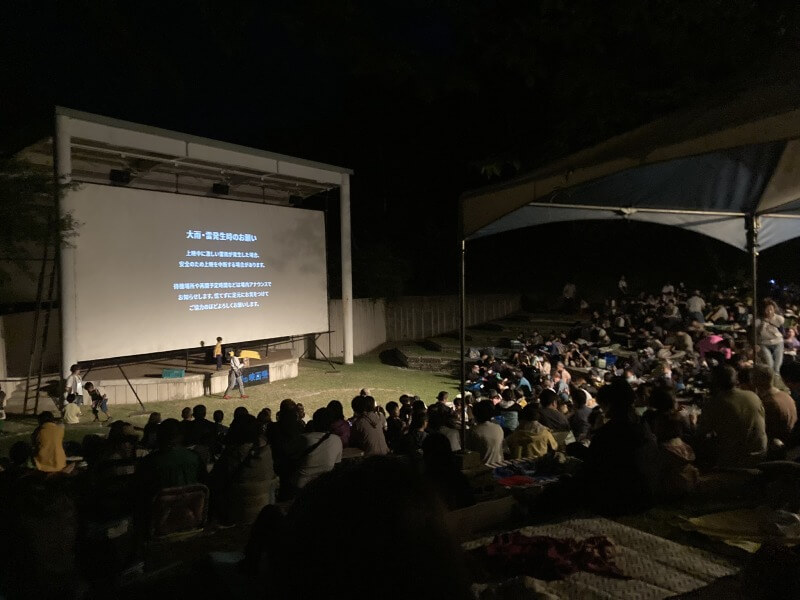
pixel 424 100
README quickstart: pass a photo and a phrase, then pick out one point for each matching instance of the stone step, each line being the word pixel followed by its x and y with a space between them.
pixel 15 401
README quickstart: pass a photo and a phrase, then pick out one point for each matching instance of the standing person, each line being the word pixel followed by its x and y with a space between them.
pixel 568 297
pixel 99 401
pixel 770 337
pixel 622 285
pixel 234 376
pixel 74 384
pixel 218 356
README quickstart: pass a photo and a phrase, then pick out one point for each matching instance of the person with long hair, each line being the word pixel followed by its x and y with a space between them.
pixel 770 336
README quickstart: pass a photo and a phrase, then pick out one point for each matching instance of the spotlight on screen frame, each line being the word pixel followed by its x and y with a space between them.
pixel 120 176
pixel 221 188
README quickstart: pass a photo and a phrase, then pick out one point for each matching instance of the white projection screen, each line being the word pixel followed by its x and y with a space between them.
pixel 154 271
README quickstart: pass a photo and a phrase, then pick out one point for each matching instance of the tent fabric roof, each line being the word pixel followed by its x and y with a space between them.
pixel 734 157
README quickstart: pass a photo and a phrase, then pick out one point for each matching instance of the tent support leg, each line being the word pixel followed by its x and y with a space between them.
pixel 752 248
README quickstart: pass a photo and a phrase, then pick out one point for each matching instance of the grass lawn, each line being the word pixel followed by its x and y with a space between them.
pixel 315 386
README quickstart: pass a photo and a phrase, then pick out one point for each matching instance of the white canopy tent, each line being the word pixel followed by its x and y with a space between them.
pixel 728 170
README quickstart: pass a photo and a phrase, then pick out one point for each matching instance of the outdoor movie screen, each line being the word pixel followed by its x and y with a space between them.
pixel 154 271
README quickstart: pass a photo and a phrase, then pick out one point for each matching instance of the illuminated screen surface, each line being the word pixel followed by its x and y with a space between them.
pixel 156 271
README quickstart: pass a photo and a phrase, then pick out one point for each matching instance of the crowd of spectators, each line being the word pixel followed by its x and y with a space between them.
pixel 645 395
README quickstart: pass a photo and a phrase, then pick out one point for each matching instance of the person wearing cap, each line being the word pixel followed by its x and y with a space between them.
pixel 234 376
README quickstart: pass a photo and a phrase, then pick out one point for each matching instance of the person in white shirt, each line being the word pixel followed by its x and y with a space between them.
pixel 74 385
pixel 234 376
pixel 695 306
pixel 323 449
pixel 623 286
pixel 486 438
pixel 72 412
pixel 719 316
pixel 770 337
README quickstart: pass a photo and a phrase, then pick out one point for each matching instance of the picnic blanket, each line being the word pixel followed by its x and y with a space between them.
pixel 744 528
pixel 656 568
pixel 543 557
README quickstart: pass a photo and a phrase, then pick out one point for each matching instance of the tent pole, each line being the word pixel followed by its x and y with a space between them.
pixel 462 341
pixel 462 322
pixel 752 248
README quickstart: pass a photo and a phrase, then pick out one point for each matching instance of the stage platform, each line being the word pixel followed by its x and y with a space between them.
pixel 200 379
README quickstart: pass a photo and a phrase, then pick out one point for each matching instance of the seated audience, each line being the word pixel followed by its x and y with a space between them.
pixel 287 443
pixel 531 439
pixel 368 430
pixel 780 411
pixel 621 462
pixel 731 426
pixel 790 373
pixel 170 465
pixel 579 418
pixel 48 444
pixel 413 526
pixel 340 426
pixel 442 472
pixel 264 419
pixel 150 436
pixel 411 444
pixel 444 424
pixel 549 415
pixel 323 449
pixel 395 427
pixel 220 431
pixel 242 477
pixel 486 438
pixel 72 411
pixel 677 473
pixel 202 432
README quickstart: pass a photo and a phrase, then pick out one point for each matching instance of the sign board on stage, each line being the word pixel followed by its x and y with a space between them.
pixel 255 375
pixel 172 373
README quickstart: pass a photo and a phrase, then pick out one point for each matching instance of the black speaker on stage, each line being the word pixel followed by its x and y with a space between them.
pixel 220 188
pixel 120 176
